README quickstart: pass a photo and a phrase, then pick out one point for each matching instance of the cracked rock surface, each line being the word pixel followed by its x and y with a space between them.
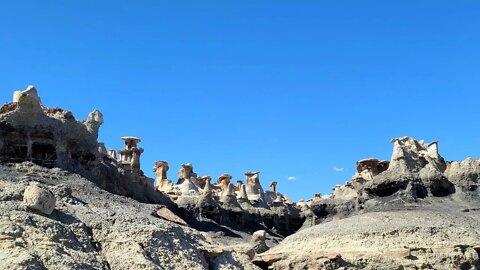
pixel 432 236
pixel 93 229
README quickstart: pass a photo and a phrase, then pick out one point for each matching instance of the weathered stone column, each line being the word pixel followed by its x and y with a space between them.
pixel 254 189
pixel 94 121
pixel 273 185
pixel 161 169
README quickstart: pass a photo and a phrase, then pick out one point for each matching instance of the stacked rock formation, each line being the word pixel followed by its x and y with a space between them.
pixel 52 137
pixel 226 203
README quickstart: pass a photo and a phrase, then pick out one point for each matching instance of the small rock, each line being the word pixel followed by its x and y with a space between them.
pixel 333 256
pixel 259 244
pixel 40 199
pixel 251 253
pixel 259 235
pixel 166 214
pixel 270 258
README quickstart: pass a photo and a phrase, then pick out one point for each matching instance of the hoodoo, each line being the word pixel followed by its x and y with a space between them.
pixel 68 203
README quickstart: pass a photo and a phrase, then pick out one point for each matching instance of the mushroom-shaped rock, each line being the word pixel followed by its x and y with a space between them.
pixel 130 141
pixel 224 180
pixel 160 169
pixel 207 188
pixel 202 181
pixel 409 155
pixel 273 186
pixel 40 199
pixel 254 189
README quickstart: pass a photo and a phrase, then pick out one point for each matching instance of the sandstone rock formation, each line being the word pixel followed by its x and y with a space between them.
pixel 162 182
pixel 29 131
pixel 259 243
pixel 186 172
pixel 367 169
pixel 416 211
pixel 94 229
pixel 431 237
pixel 130 155
pixel 254 189
pixel 94 121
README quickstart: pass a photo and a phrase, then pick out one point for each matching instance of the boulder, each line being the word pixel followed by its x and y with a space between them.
pixel 259 244
pixel 40 199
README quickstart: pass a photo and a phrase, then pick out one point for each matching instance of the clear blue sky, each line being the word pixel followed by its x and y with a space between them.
pixel 289 88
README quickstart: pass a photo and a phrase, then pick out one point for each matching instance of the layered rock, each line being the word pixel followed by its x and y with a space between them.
pixel 414 168
pixel 433 237
pixel 230 205
pixel 374 221
pixel 29 131
pixel 162 182
pixel 416 211
pixel 94 229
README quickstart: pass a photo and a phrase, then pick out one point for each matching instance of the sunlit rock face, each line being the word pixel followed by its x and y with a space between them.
pixel 415 172
pixel 228 204
pixel 162 183
pixel 47 137
pixel 415 168
pixel 52 137
pixel 395 214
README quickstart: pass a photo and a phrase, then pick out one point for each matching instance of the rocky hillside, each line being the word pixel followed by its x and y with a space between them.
pixel 417 211
pixel 68 203
pixel 432 234
pixel 91 228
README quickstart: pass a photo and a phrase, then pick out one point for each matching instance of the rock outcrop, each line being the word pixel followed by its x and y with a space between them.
pixel 68 203
pixel 417 211
pixel 29 131
pixel 52 137
pixel 432 237
pixel 94 229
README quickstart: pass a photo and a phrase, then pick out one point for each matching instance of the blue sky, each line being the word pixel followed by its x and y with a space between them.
pixel 289 88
